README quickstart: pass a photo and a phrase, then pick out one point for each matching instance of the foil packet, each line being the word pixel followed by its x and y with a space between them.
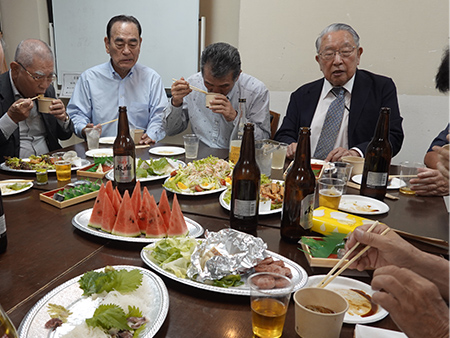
pixel 225 252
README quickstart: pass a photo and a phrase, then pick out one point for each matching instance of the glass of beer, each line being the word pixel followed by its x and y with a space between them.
pixel 269 299
pixel 408 170
pixel 330 192
pixel 63 170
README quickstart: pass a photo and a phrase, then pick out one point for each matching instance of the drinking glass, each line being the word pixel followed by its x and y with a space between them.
pixel 92 137
pixel 339 170
pixel 263 155
pixel 269 300
pixel 408 170
pixel 41 176
pixel 7 328
pixel 63 170
pixel 190 146
pixel 279 156
pixel 330 192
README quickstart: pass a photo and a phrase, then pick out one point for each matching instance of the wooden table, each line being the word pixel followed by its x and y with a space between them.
pixel 45 250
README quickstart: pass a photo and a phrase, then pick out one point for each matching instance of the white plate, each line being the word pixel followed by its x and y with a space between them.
pixel 362 205
pixel 174 163
pixel 8 192
pixel 299 276
pixel 227 206
pixel 107 140
pixel 102 152
pixel 197 193
pixel 341 285
pixel 394 183
pixel 69 295
pixel 81 220
pixel 84 163
pixel 166 151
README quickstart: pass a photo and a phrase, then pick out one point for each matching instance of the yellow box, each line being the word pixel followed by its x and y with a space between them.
pixel 327 220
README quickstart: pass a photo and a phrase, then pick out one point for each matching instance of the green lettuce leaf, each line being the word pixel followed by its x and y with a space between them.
pixel 123 281
pixel 109 316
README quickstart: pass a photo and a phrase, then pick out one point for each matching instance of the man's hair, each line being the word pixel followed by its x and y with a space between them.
pixel 122 18
pixel 334 27
pixel 222 59
pixel 28 49
pixel 442 74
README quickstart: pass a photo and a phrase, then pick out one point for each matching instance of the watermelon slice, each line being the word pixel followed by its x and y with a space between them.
pixel 136 198
pixel 164 208
pixel 177 225
pixel 155 223
pixel 109 214
pixel 109 190
pixel 143 211
pixel 126 222
pixel 95 220
pixel 117 200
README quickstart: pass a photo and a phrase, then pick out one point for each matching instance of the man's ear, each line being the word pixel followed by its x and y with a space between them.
pixel 106 44
pixel 15 67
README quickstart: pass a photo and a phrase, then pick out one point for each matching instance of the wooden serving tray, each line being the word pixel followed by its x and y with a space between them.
pixel 84 173
pixel 47 197
pixel 320 262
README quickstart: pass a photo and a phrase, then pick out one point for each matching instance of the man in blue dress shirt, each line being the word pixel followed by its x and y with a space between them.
pixel 100 90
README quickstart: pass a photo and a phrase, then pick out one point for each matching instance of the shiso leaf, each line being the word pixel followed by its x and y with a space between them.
pixel 324 246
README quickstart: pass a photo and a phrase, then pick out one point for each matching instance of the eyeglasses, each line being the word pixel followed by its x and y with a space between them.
pixel 39 78
pixel 344 52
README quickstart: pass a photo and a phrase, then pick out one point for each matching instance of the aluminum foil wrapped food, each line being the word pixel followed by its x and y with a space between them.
pixel 225 252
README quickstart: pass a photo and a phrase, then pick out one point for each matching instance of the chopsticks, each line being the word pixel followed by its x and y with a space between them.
pixel 32 99
pixel 357 186
pixel 193 88
pixel 102 124
pixel 15 181
pixel 399 176
pixel 329 278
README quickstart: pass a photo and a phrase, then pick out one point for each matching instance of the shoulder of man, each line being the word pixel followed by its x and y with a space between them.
pixel 365 74
pixel 307 87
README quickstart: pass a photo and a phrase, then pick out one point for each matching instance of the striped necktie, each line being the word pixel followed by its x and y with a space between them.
pixel 331 125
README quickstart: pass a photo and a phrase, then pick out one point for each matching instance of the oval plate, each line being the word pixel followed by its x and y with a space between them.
pixel 341 285
pixel 362 205
pixel 81 220
pixel 69 295
pixel 196 193
pixel 166 151
pixel 84 163
pixel 8 192
pixel 394 183
pixel 299 276
pixel 101 152
pixel 107 140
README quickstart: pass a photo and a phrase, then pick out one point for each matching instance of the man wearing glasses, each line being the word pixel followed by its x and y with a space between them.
pixel 24 131
pixel 342 108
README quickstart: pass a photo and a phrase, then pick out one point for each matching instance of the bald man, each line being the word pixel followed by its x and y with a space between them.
pixel 23 130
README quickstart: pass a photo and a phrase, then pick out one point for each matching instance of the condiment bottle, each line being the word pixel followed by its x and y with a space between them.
pixel 237 133
pixel 299 192
pixel 7 329
pixel 378 159
pixel 124 153
pixel 245 185
pixel 3 238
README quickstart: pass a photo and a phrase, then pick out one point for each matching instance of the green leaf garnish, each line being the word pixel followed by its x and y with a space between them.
pixel 109 316
pixel 58 311
pixel 123 281
pixel 323 247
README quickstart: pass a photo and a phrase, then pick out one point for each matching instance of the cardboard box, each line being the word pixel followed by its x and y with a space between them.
pixel 327 220
pixel 47 197
pixel 328 262
pixel 84 173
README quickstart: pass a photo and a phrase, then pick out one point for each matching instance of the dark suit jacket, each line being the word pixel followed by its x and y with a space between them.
pixel 370 92
pixel 10 147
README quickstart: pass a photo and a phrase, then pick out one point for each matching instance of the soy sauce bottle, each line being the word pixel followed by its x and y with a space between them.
pixel 378 159
pixel 3 238
pixel 246 180
pixel 124 153
pixel 299 193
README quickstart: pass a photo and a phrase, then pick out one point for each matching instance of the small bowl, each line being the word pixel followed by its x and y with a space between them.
pixel 358 163
pixel 209 98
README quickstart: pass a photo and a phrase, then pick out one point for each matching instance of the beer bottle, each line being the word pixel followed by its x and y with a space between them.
pixel 3 238
pixel 124 153
pixel 378 159
pixel 238 132
pixel 299 192
pixel 7 329
pixel 246 180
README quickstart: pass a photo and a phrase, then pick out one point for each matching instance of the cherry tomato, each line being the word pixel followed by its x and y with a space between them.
pixel 173 173
pixel 223 182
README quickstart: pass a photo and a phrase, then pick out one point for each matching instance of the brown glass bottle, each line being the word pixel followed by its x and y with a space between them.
pixel 246 180
pixel 124 153
pixel 299 192
pixel 378 159
pixel 3 238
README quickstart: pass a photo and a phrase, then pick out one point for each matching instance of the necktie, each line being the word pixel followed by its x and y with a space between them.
pixel 331 125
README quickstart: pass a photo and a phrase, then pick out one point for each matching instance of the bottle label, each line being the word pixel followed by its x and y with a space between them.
pixel 306 216
pixel 2 224
pixel 124 171
pixel 376 179
pixel 244 208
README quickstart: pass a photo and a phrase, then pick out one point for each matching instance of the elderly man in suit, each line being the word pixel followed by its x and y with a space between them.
pixel 24 131
pixel 342 108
